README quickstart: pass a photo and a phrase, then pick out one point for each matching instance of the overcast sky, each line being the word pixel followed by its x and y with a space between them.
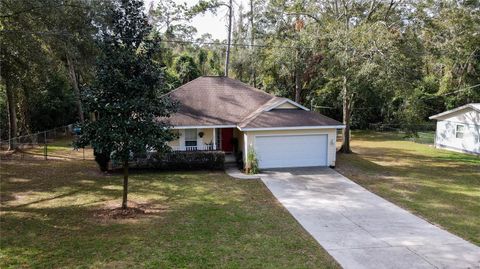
pixel 208 23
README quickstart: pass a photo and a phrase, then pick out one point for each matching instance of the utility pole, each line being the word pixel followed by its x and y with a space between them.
pixel 227 57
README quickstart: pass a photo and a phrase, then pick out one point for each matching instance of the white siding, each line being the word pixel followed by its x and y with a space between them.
pixel 446 128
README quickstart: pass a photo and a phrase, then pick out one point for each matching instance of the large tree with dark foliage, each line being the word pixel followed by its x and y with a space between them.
pixel 126 91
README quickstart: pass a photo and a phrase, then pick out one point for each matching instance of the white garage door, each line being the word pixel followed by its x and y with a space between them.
pixel 291 150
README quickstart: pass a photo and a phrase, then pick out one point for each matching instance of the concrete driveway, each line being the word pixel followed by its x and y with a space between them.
pixel 360 229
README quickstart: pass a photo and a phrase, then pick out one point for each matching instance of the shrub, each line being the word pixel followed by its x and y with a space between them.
pixel 183 160
pixel 252 162
pixel 102 159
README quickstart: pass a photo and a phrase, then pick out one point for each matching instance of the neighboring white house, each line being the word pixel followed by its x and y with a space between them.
pixel 459 129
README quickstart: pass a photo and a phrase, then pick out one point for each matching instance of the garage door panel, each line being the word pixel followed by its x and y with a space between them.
pixel 291 150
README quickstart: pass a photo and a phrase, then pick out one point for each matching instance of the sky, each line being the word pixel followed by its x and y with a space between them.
pixel 208 23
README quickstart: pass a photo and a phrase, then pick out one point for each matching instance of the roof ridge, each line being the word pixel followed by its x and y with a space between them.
pixel 234 80
pixel 179 87
pixel 250 87
pixel 469 105
pixel 474 106
pixel 250 117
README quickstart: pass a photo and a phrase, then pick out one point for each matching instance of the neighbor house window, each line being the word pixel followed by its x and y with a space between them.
pixel 191 137
pixel 459 131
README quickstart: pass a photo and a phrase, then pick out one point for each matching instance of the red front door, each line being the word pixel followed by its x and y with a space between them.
pixel 227 135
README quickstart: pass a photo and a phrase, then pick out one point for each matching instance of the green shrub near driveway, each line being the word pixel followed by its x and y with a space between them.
pixel 252 162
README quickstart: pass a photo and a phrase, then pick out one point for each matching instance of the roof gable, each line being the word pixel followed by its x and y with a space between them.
pixel 282 102
pixel 464 108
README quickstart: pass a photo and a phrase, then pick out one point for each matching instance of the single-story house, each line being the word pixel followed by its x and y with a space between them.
pixel 220 113
pixel 459 129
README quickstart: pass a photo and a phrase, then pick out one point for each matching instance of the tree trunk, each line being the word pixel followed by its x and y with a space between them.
pixel 252 45
pixel 12 116
pixel 227 56
pixel 125 185
pixel 298 86
pixel 345 148
pixel 76 90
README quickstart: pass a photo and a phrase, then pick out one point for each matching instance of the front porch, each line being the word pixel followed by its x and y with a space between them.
pixel 206 139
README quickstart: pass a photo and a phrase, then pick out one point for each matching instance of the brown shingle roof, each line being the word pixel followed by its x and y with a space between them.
pixel 215 101
pixel 288 118
pixel 208 101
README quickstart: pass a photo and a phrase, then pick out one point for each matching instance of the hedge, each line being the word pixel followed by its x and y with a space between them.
pixel 182 160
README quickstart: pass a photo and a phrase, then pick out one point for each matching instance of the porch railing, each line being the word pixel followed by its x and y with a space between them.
pixel 196 148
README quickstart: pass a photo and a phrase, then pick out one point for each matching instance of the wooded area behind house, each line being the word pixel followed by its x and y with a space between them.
pixel 391 62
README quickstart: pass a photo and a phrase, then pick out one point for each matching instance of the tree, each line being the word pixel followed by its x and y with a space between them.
pixel 20 56
pixel 202 57
pixel 252 42
pixel 186 68
pixel 171 19
pixel 449 34
pixel 76 47
pixel 126 91
pixel 40 43
pixel 362 38
pixel 213 5
pixel 290 59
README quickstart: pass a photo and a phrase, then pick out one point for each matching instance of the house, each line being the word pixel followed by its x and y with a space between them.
pixel 459 129
pixel 220 113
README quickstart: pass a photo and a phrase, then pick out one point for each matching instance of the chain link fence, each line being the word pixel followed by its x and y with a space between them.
pixel 418 133
pixel 382 127
pixel 57 143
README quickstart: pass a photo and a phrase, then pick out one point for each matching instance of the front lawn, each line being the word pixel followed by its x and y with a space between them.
pixel 49 219
pixel 439 185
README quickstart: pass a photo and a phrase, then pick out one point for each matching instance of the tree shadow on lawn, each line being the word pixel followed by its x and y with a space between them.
pixel 204 220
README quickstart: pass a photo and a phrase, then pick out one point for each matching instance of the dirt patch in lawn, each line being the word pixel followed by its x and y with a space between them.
pixel 112 211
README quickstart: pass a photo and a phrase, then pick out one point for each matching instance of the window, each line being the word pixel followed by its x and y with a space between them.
pixel 191 137
pixel 459 131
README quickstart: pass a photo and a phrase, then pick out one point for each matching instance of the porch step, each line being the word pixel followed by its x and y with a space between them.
pixel 230 158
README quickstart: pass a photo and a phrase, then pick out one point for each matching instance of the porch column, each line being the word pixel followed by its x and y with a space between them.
pixel 214 139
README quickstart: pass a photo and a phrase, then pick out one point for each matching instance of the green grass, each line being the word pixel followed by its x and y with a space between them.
pixel 197 220
pixel 439 185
